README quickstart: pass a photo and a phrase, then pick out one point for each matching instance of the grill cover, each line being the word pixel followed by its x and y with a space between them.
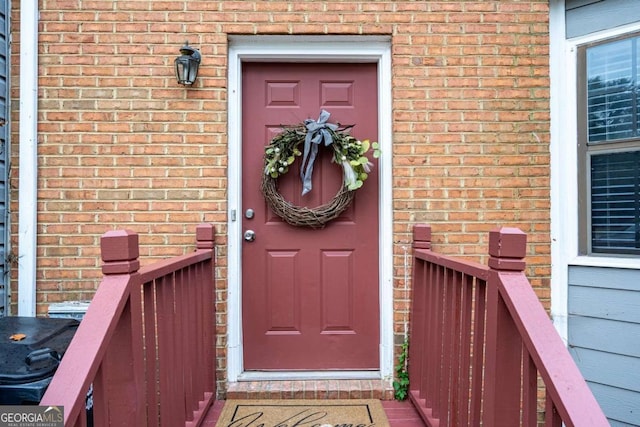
pixel 37 355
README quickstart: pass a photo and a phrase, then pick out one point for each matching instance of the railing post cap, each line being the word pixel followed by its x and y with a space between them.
pixel 119 245
pixel 205 236
pixel 119 252
pixel 507 242
pixel 507 249
pixel 422 232
pixel 422 236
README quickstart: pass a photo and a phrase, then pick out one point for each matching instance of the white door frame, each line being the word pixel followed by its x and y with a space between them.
pixel 374 49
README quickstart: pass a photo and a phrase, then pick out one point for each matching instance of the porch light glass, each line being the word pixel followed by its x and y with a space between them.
pixel 187 65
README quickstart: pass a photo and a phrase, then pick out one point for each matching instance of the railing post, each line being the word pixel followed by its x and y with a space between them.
pixel 205 240
pixel 418 320
pixel 119 395
pixel 502 391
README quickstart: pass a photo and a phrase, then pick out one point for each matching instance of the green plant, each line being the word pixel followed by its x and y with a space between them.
pixel 401 383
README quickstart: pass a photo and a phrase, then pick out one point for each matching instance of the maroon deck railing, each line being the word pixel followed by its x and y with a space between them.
pixel 480 342
pixel 146 343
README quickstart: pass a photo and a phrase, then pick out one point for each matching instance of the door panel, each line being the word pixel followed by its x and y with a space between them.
pixel 309 297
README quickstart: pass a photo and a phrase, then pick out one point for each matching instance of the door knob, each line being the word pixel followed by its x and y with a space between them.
pixel 249 235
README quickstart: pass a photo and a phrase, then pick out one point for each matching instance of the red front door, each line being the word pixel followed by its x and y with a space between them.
pixel 309 296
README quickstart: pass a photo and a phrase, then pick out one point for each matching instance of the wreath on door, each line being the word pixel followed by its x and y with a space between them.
pixel 348 152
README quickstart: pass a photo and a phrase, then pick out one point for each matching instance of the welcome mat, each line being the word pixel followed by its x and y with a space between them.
pixel 299 412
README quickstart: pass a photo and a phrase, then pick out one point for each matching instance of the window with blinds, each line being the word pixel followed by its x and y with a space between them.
pixel 615 203
pixel 612 90
pixel 610 146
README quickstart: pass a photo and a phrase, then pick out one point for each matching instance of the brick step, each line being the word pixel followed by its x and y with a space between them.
pixel 311 389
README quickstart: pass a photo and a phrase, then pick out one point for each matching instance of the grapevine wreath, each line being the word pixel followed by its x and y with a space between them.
pixel 348 152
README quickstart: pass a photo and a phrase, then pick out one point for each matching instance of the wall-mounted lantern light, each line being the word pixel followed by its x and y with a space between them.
pixel 187 65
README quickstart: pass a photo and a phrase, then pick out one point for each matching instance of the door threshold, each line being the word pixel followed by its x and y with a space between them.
pixel 308 375
pixel 310 385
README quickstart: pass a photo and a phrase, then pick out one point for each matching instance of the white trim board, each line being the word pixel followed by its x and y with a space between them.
pixel 308 49
pixel 564 163
pixel 28 174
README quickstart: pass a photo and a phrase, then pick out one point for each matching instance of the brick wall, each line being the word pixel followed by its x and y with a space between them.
pixel 122 145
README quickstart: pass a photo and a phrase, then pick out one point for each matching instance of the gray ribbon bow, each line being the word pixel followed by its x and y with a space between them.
pixel 317 132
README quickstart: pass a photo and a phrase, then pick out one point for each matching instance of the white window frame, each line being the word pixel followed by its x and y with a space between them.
pixel 564 163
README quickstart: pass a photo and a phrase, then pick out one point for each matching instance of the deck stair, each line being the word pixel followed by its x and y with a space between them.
pixel 481 345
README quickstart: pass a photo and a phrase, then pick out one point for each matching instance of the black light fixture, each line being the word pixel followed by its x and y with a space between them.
pixel 187 65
